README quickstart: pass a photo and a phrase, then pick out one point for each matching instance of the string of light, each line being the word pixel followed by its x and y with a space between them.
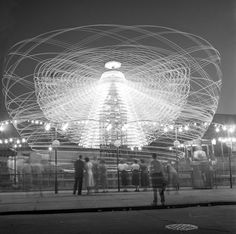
pixel 96 84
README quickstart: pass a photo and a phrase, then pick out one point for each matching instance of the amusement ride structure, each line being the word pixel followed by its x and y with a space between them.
pixel 102 84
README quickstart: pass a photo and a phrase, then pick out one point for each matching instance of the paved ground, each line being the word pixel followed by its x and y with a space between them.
pixel 213 220
pixel 65 201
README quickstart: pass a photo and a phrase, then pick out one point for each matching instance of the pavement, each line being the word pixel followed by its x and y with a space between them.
pixel 66 202
pixel 196 220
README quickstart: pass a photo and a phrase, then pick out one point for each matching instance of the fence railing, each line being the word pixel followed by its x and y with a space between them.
pixel 65 180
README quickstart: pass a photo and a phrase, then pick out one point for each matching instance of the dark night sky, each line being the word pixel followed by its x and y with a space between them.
pixel 213 20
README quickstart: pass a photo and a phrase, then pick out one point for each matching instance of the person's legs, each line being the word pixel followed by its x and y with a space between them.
pixel 162 195
pixel 75 185
pixel 80 181
pixel 154 196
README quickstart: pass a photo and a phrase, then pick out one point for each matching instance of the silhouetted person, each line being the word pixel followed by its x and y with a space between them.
pixel 79 173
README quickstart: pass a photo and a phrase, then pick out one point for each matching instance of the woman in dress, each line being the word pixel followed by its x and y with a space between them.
pixel 89 180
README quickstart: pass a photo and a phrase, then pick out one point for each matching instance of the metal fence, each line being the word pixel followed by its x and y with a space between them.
pixel 65 180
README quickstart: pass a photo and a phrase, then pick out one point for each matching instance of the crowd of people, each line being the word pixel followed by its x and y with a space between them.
pixel 94 175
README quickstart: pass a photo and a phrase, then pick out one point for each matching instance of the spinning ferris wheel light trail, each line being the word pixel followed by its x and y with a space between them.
pixel 102 83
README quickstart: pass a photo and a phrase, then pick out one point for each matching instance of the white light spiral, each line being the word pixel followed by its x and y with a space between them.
pixel 109 82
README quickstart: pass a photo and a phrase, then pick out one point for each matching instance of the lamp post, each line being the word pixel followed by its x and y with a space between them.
pixel 55 144
pixel 176 145
pixel 117 143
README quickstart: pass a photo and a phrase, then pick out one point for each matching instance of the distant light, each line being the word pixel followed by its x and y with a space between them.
pixel 6 141
pixel 50 148
pixel 224 128
pixel 20 145
pixel 171 127
pixel 64 126
pixel 109 127
pixel 186 128
pixel 47 126
pixel 165 129
pixel 217 129
pixel 213 141
pixel 113 65
pixel 11 140
pixel 140 148
pixel 1 141
pixel 1 128
pixel 170 148
pixel 23 140
pixel 18 141
pixel 232 129
pixel 180 130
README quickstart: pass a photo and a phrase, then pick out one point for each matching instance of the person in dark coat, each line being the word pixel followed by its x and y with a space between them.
pixel 79 173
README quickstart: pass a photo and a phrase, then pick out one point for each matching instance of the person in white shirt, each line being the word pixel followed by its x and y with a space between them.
pixel 123 169
pixel 135 168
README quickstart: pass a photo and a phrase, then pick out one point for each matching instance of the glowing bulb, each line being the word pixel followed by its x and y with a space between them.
pixel 186 128
pixel 64 126
pixel 171 127
pixel 1 128
pixel 213 141
pixel 47 126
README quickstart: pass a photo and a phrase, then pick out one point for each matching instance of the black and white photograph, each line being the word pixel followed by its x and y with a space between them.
pixel 117 116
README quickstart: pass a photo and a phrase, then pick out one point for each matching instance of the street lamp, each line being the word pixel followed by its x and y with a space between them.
pixel 117 144
pixel 55 144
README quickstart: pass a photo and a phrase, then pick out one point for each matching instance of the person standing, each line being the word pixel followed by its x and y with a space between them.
pixel 79 173
pixel 103 175
pixel 144 175
pixel 158 179
pixel 173 178
pixel 123 168
pixel 95 174
pixel 135 175
pixel 89 175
